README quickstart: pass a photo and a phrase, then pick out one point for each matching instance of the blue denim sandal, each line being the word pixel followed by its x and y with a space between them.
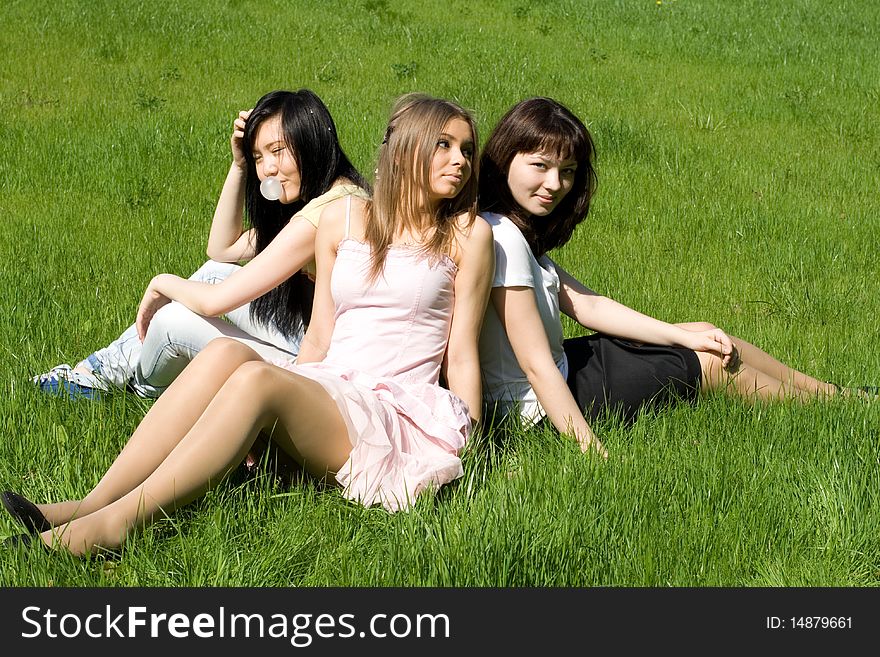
pixel 62 379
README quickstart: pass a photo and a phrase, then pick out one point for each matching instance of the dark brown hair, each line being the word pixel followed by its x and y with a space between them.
pixel 539 125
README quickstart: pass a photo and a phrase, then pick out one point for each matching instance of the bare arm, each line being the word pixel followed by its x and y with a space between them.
pixel 475 258
pixel 600 313
pixel 228 241
pixel 518 311
pixel 290 251
pixel 316 341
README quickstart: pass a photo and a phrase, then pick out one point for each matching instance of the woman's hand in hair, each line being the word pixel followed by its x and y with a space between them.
pixel 228 241
pixel 237 139
pixel 151 303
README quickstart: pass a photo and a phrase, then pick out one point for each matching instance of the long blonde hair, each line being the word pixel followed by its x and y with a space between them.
pixel 403 179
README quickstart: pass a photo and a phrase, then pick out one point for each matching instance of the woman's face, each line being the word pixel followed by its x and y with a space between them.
pixel 538 181
pixel 451 164
pixel 274 157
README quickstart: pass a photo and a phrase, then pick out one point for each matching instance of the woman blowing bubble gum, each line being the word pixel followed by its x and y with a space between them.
pixel 287 165
pixel 537 179
pixel 402 285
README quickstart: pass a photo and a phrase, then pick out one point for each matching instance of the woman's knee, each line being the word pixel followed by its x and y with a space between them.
pixel 231 350
pixel 168 318
pixel 257 383
pixel 168 345
pixel 275 387
pixel 214 272
pixel 711 368
pixel 254 375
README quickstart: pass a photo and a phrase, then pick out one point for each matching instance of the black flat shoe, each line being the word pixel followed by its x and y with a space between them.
pixel 26 512
pixel 24 542
pixel 867 393
pixel 18 540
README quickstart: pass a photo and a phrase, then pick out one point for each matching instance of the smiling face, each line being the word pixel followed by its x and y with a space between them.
pixel 539 181
pixel 451 164
pixel 273 157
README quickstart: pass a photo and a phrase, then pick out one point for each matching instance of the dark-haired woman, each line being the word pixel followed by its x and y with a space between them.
pixel 266 303
pixel 536 183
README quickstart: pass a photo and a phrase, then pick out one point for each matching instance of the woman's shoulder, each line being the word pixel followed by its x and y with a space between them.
pixel 343 216
pixel 474 236
pixel 494 219
pixel 343 188
pixel 505 233
pixel 313 211
pixel 473 227
pixel 500 223
pixel 503 228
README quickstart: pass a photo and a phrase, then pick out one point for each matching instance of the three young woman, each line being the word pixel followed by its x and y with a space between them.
pixel 402 284
pixel 536 183
pixel 288 135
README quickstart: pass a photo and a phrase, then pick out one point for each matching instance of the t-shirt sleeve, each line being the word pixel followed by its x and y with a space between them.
pixel 513 258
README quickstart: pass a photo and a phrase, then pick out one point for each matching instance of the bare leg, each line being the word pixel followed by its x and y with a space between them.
pixel 747 381
pixel 167 422
pixel 775 372
pixel 302 418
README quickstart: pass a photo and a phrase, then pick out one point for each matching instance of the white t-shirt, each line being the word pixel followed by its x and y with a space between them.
pixel 504 382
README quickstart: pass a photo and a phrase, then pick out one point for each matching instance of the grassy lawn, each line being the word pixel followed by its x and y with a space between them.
pixel 739 168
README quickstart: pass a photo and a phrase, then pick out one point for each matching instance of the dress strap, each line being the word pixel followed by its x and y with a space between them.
pixel 347 215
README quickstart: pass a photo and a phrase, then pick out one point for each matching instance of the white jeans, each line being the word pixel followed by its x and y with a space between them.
pixel 176 335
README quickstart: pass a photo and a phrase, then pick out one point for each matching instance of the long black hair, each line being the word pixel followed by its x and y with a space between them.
pixel 310 134
pixel 539 125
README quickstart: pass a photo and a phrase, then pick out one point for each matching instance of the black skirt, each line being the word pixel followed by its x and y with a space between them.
pixel 609 375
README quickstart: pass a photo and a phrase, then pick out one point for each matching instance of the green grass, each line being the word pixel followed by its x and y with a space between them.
pixel 739 167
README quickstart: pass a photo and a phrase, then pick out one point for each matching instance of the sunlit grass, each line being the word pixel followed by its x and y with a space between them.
pixel 739 167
